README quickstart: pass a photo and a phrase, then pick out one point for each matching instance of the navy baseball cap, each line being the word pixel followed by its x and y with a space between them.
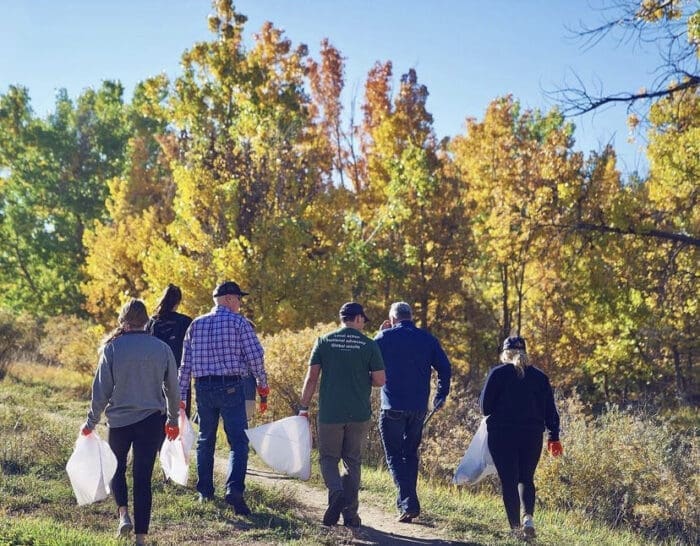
pixel 351 309
pixel 228 287
pixel 515 343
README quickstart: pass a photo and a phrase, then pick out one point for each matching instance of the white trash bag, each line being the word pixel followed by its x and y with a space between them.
pixel 175 454
pixel 90 468
pixel 477 462
pixel 284 445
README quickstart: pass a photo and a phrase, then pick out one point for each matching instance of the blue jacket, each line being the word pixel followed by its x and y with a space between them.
pixel 409 355
pixel 523 403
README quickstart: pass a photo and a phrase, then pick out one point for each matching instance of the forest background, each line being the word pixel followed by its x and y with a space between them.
pixel 246 167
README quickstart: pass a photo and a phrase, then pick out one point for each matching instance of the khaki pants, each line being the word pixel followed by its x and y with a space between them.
pixel 342 441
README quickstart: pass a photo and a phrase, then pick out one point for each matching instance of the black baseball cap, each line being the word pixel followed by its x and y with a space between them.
pixel 351 309
pixel 514 343
pixel 228 287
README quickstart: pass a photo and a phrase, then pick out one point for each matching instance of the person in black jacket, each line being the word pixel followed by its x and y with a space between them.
pixel 519 401
pixel 170 326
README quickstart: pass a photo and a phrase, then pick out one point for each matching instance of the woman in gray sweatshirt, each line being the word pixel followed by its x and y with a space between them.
pixel 134 370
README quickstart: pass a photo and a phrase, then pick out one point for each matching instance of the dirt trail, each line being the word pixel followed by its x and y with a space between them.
pixel 378 526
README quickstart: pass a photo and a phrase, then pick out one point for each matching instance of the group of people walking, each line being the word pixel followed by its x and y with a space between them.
pixel 146 367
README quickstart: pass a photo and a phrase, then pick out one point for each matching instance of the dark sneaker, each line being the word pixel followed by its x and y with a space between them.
pixel 336 502
pixel 235 499
pixel 352 521
pixel 407 516
pixel 125 526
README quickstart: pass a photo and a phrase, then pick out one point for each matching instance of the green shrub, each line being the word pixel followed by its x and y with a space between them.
pixel 625 468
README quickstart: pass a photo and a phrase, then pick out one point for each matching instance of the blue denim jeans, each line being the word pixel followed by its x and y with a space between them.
pixel 401 433
pixel 221 398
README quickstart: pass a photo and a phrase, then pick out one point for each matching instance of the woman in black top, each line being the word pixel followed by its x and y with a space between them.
pixel 519 401
pixel 170 326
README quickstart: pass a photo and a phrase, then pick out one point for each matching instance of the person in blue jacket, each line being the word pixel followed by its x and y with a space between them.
pixel 410 354
pixel 519 401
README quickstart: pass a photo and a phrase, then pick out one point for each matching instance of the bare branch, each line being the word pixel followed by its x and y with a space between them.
pixel 653 233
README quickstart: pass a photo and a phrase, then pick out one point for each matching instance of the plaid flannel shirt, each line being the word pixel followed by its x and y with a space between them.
pixel 221 343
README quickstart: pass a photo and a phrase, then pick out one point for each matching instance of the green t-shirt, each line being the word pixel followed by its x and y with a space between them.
pixel 346 357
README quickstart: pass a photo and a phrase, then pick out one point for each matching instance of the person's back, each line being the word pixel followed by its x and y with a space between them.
pixel 214 339
pixel 347 357
pixel 138 364
pixel 170 327
pixel 410 354
pixel 514 401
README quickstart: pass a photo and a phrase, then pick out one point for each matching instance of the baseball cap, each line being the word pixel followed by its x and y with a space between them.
pixel 514 343
pixel 352 309
pixel 228 287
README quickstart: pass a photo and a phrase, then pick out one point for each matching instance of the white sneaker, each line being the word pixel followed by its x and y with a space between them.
pixel 528 527
pixel 125 526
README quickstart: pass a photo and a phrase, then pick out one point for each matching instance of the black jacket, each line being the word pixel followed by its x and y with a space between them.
pixel 514 402
pixel 170 327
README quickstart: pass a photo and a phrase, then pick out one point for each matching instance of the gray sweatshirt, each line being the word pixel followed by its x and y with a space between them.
pixel 133 372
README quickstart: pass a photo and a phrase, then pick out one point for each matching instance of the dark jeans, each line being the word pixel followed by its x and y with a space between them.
pixel 401 433
pixel 145 437
pixel 222 397
pixel 516 453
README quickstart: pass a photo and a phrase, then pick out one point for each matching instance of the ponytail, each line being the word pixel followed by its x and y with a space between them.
pixel 517 358
pixel 133 316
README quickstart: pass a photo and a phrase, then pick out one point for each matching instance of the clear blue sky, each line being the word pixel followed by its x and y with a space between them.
pixel 467 52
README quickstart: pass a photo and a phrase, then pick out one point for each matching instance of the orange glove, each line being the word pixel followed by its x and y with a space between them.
pixel 172 432
pixel 183 405
pixel 554 448
pixel 85 431
pixel 263 392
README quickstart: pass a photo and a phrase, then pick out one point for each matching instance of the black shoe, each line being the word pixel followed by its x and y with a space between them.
pixel 336 503
pixel 352 521
pixel 235 499
pixel 407 516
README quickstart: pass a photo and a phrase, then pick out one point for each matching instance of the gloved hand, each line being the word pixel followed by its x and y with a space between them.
pixel 263 392
pixel 85 431
pixel 172 432
pixel 438 402
pixel 554 448
pixel 183 405
pixel 303 411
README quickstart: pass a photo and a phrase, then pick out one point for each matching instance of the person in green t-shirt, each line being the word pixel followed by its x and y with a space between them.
pixel 349 364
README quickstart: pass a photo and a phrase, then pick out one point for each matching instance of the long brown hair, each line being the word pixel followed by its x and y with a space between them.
pixel 133 316
pixel 172 295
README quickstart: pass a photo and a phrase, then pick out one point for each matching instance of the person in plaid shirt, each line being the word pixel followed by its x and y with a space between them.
pixel 220 348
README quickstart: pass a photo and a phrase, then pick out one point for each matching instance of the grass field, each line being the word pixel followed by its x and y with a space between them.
pixel 38 426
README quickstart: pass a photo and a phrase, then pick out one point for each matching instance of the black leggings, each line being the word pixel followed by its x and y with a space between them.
pixel 146 437
pixel 516 453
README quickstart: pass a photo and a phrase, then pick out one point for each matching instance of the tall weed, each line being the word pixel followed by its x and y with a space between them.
pixel 625 468
pixel 71 342
pixel 19 333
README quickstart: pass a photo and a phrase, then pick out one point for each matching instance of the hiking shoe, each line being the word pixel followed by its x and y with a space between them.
pixel 407 516
pixel 235 499
pixel 352 521
pixel 528 528
pixel 204 499
pixel 336 502
pixel 125 526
